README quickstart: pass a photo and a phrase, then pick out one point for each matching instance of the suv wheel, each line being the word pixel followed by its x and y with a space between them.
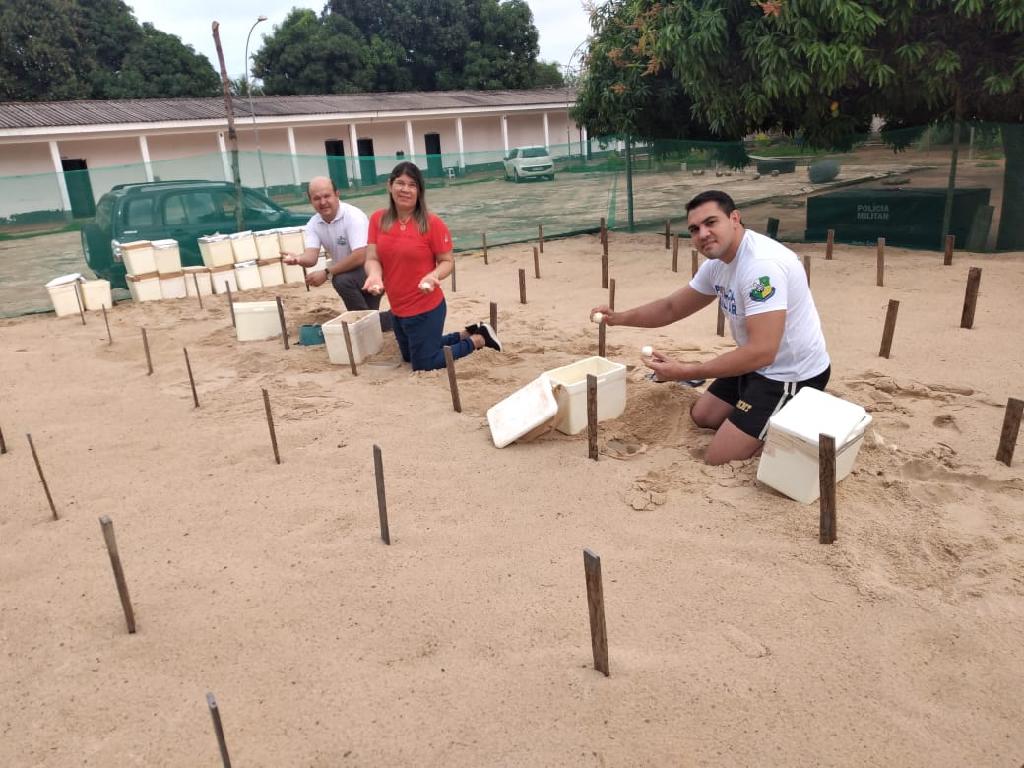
pixel 515 172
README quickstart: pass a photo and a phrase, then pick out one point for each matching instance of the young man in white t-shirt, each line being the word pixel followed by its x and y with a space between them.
pixel 762 290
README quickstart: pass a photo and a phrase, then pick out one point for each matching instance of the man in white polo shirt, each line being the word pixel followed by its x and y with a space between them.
pixel 762 289
pixel 341 229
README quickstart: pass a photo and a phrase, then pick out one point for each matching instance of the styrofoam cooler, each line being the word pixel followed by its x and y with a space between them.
pixel 144 287
pixel 291 240
pixel 789 460
pixel 256 320
pixel 64 294
pixel 570 383
pixel 139 257
pixel 96 294
pixel 523 415
pixel 293 273
pixel 221 275
pixel 247 276
pixel 271 273
pixel 267 245
pixel 172 285
pixel 197 276
pixel 167 255
pixel 216 250
pixel 364 331
pixel 243 247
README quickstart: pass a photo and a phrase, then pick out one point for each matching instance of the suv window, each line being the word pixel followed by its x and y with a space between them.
pixel 513 154
pixel 535 152
pixel 138 213
pixel 253 204
pixel 199 207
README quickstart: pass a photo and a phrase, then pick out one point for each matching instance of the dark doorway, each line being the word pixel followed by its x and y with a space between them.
pixel 76 177
pixel 367 162
pixel 336 167
pixel 435 164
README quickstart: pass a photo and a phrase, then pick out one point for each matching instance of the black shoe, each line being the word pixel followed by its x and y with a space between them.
pixel 490 337
pixel 473 328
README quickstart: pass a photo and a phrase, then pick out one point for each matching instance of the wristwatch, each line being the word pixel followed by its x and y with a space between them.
pixel 327 272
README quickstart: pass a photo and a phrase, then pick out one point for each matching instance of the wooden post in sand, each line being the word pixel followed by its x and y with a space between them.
pixel 106 322
pixel 595 606
pixel 830 239
pixel 668 232
pixel 827 489
pixel 971 297
pixel 1011 428
pixel 304 279
pixel 115 562
pixel 78 298
pixel 807 268
pixel 540 237
pixel 611 294
pixel 536 263
pixel 454 284
pixel 270 425
pixel 694 261
pixel 890 328
pixel 947 256
pixel 592 414
pixel 483 237
pixel 453 381
pixel 720 321
pixel 773 228
pixel 675 253
pixel 218 730
pixel 42 478
pixel 231 303
pixel 348 347
pixel 284 325
pixel 195 282
pixel 3 443
pixel 880 265
pixel 522 286
pixel 145 346
pixel 601 337
pixel 191 380
pixel 604 270
pixel 382 504
pixel 604 236
pixel 494 315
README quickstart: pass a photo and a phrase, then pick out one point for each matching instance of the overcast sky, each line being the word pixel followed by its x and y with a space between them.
pixel 562 24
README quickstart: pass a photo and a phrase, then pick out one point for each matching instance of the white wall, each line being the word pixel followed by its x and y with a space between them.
pixel 28 181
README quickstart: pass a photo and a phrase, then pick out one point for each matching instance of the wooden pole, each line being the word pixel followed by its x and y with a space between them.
pixel 720 321
pixel 494 315
pixel 807 268
pixel 536 263
pixel 604 270
pixel 3 443
pixel 595 605
pixel 592 415
pixel 611 294
pixel 773 228
pixel 540 237
pixel 78 298
pixel 971 297
pixel 483 236
pixel 880 266
pixel 601 337
pixel 694 261
pixel 191 380
pixel 229 112
pixel 827 489
pixel 280 317
pixel 675 253
pixel 604 236
pixel 522 286
pixel 454 284
pixel 218 729
pixel 1011 428
pixel 890 328
pixel 348 346
pixel 231 303
pixel 199 296
pixel 830 240
pixel 382 504
pixel 304 278
pixel 270 425
pixel 453 382
pixel 42 478
pixel 668 232
pixel 115 562
pixel 145 346
pixel 947 257
pixel 106 322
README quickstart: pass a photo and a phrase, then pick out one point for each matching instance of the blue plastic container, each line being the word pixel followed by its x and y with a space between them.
pixel 311 335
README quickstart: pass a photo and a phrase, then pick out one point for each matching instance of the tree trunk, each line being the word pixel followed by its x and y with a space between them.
pixel 1011 217
pixel 954 156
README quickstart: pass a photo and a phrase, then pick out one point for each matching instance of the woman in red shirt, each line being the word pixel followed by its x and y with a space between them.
pixel 408 254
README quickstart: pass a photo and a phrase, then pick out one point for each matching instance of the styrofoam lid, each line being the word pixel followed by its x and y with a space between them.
pixel 812 412
pixel 289 230
pixel 195 269
pixel 239 235
pixel 161 244
pixel 522 411
pixel 254 306
pixel 136 244
pixel 245 264
pixel 266 233
pixel 64 280
pixel 215 238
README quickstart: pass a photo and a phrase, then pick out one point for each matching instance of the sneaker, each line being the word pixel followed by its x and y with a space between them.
pixel 490 337
pixel 473 328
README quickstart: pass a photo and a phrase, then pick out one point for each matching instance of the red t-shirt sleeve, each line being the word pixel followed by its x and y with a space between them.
pixel 438 236
pixel 374 230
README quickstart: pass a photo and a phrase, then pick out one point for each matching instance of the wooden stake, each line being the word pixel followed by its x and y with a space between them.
pixel 675 253
pixel 494 315
pixel 522 286
pixel 604 270
pixel 595 605
pixel 115 562
pixel 694 261
pixel 947 257
pixel 78 298
pixel 270 425
pixel 1011 428
pixel 454 285
pixel 540 237
pixel 3 443
pixel 604 236
pixel 880 266
pixel 106 322
pixel 807 268
pixel 830 240
pixel 453 382
pixel 348 346
pixel 536 263
pixel 195 282
pixel 284 325
pixel 191 380
pixel 827 489
pixel 484 238
pixel 668 232
pixel 382 504
pixel 145 346
pixel 611 294
pixel 890 328
pixel 720 321
pixel 218 729
pixel 601 336
pixel 42 478
pixel 231 302
pixel 773 228
pixel 592 414
pixel 304 278
pixel 971 297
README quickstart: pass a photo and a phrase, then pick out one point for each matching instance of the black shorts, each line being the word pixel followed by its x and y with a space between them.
pixel 755 399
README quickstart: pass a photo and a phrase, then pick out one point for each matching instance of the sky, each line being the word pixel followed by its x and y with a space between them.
pixel 562 25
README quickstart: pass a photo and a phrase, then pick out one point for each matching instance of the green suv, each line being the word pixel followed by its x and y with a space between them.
pixel 180 210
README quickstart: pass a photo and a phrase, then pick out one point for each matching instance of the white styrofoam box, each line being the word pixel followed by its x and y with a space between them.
pixel 197 276
pixel 96 294
pixel 256 320
pixel 293 273
pixel 789 460
pixel 64 294
pixel 267 245
pixel 291 240
pixel 221 275
pixel 216 250
pixel 321 264
pixel 363 329
pixel 139 257
pixel 167 255
pixel 247 276
pixel 570 383
pixel 271 273
pixel 524 414
pixel 172 285
pixel 144 287
pixel 243 246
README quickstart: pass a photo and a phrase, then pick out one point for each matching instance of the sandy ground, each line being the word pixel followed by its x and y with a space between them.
pixel 735 638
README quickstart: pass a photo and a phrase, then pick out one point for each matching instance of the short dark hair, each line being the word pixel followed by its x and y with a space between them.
pixel 713 196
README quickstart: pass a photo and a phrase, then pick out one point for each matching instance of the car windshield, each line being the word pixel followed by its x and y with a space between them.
pixel 535 152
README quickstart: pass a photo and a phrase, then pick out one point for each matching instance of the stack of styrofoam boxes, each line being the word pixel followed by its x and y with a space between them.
pixel 269 260
pixel 218 258
pixel 168 266
pixel 292 240
pixel 64 294
pixel 247 271
pixel 197 279
pixel 140 265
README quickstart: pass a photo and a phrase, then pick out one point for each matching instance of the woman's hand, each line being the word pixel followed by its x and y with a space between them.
pixel 428 283
pixel 373 285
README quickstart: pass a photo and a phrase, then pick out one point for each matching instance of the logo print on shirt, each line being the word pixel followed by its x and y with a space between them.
pixel 342 240
pixel 762 290
pixel 726 299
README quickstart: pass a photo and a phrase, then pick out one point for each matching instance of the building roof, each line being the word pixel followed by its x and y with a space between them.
pixel 42 114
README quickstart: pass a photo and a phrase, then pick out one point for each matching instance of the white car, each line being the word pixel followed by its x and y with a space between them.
pixel 529 163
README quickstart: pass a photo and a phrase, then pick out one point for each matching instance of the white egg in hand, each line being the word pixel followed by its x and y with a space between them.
pixel 426 285
pixel 646 351
pixel 597 317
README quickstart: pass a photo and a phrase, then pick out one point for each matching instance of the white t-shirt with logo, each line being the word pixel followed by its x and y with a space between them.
pixel 340 237
pixel 766 276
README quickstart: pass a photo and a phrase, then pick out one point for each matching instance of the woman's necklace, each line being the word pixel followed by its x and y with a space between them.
pixel 403 222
